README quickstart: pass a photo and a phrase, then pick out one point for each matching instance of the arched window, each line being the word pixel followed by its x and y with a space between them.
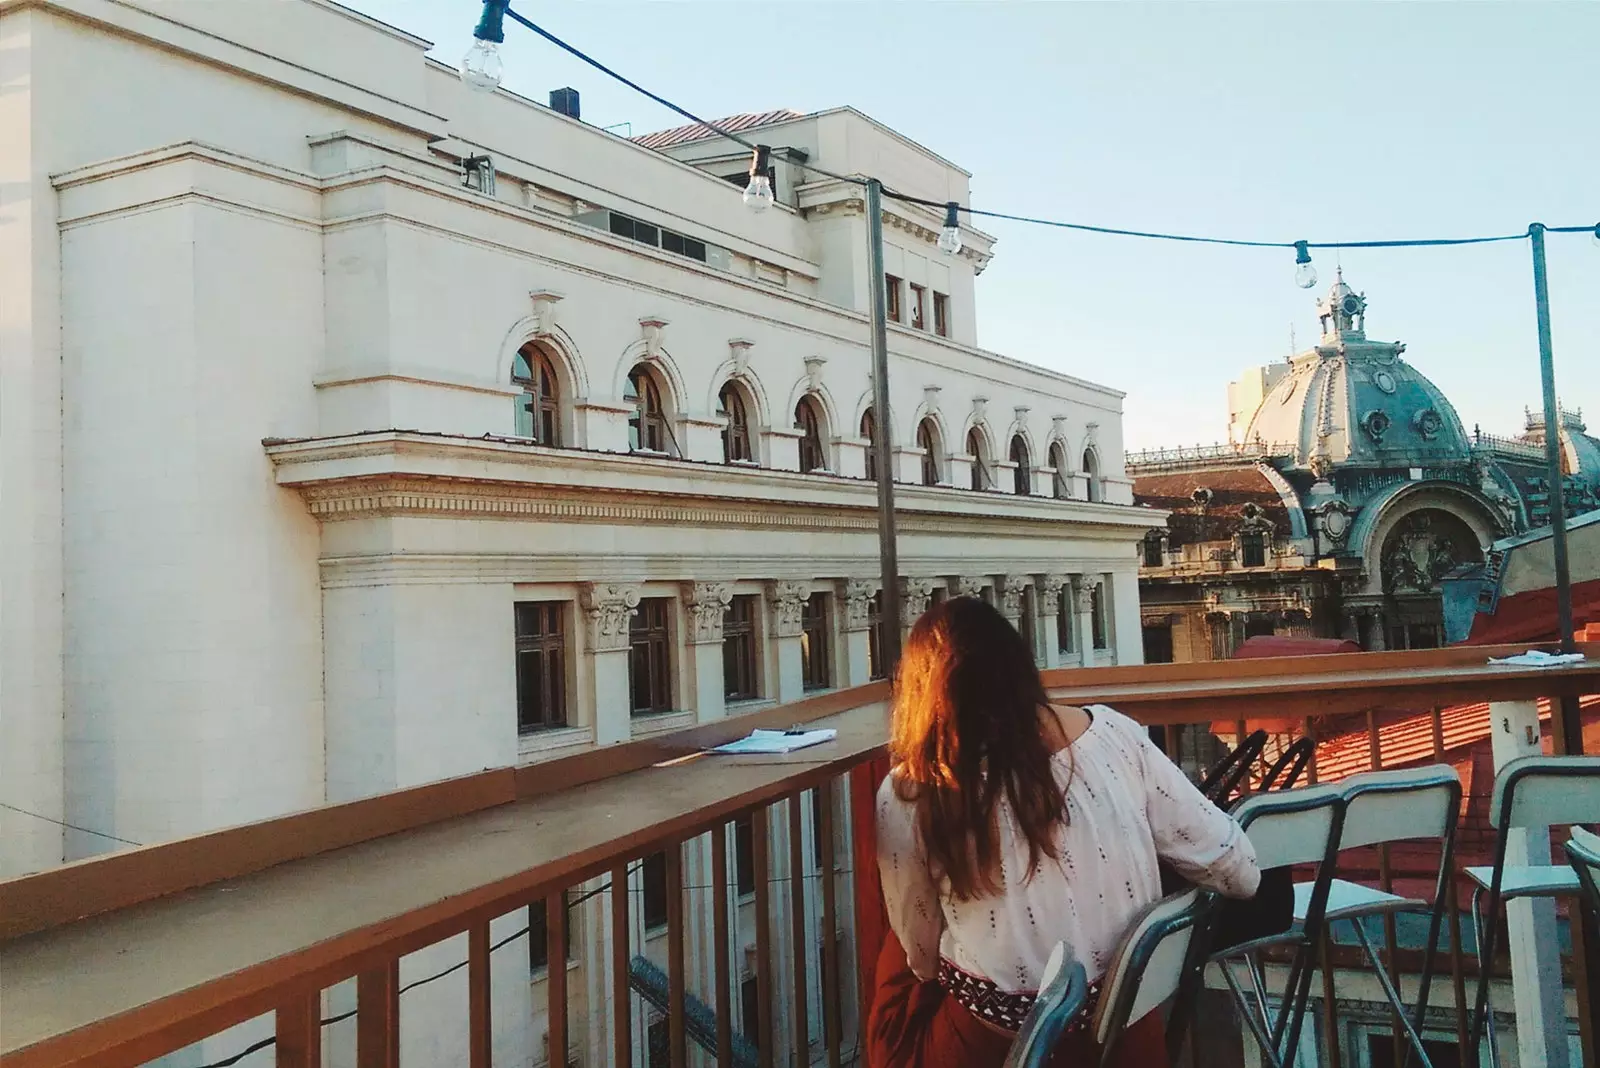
pixel 1060 482
pixel 1022 474
pixel 1091 472
pixel 809 423
pixel 981 479
pixel 736 434
pixel 928 442
pixel 647 423
pixel 539 407
pixel 869 434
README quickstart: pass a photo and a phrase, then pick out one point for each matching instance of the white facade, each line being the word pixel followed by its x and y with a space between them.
pixel 266 512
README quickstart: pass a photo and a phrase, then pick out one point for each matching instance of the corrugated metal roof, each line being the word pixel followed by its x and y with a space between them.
pixel 661 140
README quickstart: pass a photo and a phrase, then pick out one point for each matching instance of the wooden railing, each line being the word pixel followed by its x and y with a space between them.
pixel 305 929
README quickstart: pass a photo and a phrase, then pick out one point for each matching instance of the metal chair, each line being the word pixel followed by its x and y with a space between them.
pixel 1583 853
pixel 1529 792
pixel 1287 828
pixel 1148 967
pixel 1395 806
pixel 1062 991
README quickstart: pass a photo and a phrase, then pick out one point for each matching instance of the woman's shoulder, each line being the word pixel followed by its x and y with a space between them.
pixel 1114 722
pixel 892 791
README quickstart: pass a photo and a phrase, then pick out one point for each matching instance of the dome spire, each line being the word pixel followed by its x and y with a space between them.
pixel 1343 311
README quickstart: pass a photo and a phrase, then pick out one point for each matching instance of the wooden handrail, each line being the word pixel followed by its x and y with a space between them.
pixel 107 973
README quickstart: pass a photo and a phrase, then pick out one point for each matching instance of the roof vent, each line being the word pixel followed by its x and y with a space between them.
pixel 565 101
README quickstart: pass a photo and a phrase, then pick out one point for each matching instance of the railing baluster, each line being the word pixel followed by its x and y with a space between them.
pixel 1308 730
pixel 828 923
pixel 1457 972
pixel 797 927
pixel 555 926
pixel 621 997
pixel 479 1031
pixel 719 937
pixel 378 1017
pixel 299 1031
pixel 760 856
pixel 677 1036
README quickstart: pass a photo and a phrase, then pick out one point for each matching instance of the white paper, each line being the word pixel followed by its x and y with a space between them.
pixel 1536 658
pixel 765 741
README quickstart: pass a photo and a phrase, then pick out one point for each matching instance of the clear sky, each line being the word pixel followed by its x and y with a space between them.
pixel 1270 120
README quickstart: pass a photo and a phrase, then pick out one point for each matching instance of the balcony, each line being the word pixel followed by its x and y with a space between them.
pixel 348 933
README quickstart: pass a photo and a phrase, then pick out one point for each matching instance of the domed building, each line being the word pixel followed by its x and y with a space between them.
pixel 1349 496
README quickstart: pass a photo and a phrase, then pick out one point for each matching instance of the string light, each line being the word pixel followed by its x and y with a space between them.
pixel 758 194
pixel 1305 275
pixel 481 67
pixel 950 236
pixel 1597 235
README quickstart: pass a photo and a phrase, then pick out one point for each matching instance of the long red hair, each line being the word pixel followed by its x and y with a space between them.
pixel 966 733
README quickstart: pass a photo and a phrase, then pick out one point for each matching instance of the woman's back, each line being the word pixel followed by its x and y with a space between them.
pixel 1126 804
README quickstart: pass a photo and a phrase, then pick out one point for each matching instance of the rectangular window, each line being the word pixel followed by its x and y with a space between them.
pixel 739 650
pixel 893 285
pixel 683 246
pixel 541 666
pixel 658 1044
pixel 1066 625
pixel 750 1010
pixel 816 666
pixel 1097 614
pixel 1253 549
pixel 816 828
pixel 1158 643
pixel 919 302
pixel 1026 624
pixel 655 890
pixel 650 660
pixel 875 665
pixel 744 855
pixel 1153 556
pixel 941 314
pixel 539 935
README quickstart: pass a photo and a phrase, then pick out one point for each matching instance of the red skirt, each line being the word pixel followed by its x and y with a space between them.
pixel 915 1024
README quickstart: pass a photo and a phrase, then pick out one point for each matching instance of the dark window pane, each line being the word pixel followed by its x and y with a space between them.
pixel 1253 549
pixel 658 1044
pixel 672 242
pixel 816 667
pixel 739 650
pixel 541 666
pixel 1097 617
pixel 539 935
pixel 655 890
pixel 750 1010
pixel 644 233
pixel 744 856
pixel 621 225
pixel 695 250
pixel 650 657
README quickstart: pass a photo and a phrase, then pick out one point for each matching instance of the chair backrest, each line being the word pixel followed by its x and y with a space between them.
pixel 1583 852
pixel 1396 806
pixel 1291 826
pixel 1537 791
pixel 1147 967
pixel 1063 988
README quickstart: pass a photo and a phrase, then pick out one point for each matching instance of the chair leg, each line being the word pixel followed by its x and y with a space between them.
pixel 1392 994
pixel 1430 956
pixel 1242 1001
pixel 1483 1014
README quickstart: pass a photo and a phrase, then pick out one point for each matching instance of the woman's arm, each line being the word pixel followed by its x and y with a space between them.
pixel 1196 837
pixel 909 892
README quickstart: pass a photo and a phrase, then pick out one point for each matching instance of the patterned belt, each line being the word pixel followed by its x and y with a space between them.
pixel 989 1003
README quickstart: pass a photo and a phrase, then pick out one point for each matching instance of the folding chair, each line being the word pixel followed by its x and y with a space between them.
pixel 1062 991
pixel 1529 792
pixel 1148 967
pixel 1583 852
pixel 1395 806
pixel 1287 828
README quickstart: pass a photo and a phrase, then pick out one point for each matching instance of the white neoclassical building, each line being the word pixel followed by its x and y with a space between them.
pixel 359 431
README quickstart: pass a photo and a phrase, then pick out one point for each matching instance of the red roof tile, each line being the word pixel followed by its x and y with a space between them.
pixel 1232 489
pixel 661 140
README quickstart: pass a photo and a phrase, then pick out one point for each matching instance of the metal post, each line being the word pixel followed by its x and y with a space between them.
pixel 1552 460
pixel 888 552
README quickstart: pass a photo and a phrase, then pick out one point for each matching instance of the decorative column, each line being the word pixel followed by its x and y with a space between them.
pixel 855 668
pixel 914 596
pixel 784 600
pixel 967 586
pixel 609 608
pixel 705 606
pixel 1124 626
pixel 1530 922
pixel 1048 631
pixel 1083 616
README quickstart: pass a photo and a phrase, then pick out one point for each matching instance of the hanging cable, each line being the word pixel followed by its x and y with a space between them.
pixel 70 826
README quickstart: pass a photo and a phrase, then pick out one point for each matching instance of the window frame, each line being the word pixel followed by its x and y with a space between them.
pixel 1060 482
pixel 1066 622
pixel 816 646
pixel 650 634
pixel 892 305
pixel 941 313
pixel 1022 473
pixel 547 643
pixel 737 446
pixel 1091 472
pixel 928 442
pixel 808 420
pixel 919 306
pixel 982 477
pixel 648 422
pixel 539 935
pixel 1252 544
pixel 1153 554
pixel 869 434
pixel 875 666
pixel 538 412
pixel 1099 619
pixel 653 902
pixel 740 662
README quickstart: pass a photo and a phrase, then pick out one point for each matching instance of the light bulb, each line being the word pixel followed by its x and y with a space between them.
pixel 1305 275
pixel 758 194
pixel 1597 235
pixel 950 236
pixel 481 67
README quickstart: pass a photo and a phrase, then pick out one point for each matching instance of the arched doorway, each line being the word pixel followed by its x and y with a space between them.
pixel 1421 549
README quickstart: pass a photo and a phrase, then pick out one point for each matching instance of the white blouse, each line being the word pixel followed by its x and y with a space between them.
pixel 1127 804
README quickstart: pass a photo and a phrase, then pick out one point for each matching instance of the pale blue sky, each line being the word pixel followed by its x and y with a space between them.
pixel 1269 120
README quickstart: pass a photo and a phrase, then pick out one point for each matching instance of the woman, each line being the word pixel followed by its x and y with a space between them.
pixel 1008 824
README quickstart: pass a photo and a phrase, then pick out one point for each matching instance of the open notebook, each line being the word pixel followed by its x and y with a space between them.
pixel 764 741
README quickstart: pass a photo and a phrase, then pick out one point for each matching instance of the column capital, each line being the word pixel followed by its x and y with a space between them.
pixel 1011 591
pixel 707 604
pixel 609 607
pixel 1050 587
pixel 857 595
pixel 914 595
pixel 1083 594
pixel 786 599
pixel 970 587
